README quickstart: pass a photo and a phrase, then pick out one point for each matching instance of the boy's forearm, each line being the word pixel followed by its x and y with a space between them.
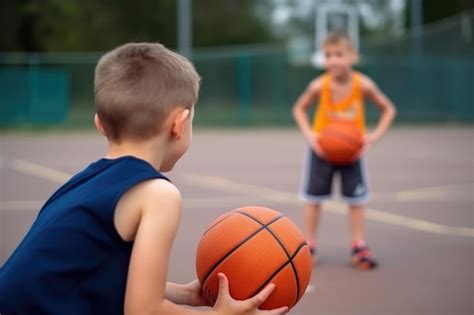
pixel 384 123
pixel 301 106
pixel 302 121
pixel 168 307
pixel 386 107
pixel 176 293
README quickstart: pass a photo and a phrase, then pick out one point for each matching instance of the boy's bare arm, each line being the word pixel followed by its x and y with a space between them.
pixel 160 207
pixel 301 106
pixel 385 105
pixel 186 294
pixel 147 291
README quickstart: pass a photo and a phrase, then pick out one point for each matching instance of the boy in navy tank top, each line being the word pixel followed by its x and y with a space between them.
pixel 101 243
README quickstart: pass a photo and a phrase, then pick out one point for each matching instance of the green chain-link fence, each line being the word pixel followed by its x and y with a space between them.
pixel 430 78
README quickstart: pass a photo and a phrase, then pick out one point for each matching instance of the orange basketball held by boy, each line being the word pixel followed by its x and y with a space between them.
pixel 253 247
pixel 341 142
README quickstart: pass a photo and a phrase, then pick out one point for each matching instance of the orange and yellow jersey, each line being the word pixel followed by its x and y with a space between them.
pixel 351 108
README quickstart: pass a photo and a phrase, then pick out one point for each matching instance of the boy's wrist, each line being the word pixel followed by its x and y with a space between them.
pixel 373 137
pixel 310 135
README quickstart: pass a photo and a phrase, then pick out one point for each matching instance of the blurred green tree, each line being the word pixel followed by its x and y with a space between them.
pixel 437 10
pixel 228 22
pixel 92 25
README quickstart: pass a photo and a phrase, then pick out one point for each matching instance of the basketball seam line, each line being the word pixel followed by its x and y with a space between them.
pixel 216 224
pixel 282 247
pixel 281 268
pixel 237 246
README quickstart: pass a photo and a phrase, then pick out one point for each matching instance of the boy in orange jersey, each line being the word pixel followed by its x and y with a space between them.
pixel 341 92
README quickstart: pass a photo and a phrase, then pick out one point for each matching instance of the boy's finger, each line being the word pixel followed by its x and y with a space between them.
pixel 280 310
pixel 262 296
pixel 223 286
pixel 319 151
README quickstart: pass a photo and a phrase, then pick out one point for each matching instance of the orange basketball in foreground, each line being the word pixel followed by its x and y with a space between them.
pixel 341 142
pixel 253 247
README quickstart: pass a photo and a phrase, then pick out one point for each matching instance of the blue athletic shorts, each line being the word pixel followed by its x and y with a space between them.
pixel 318 175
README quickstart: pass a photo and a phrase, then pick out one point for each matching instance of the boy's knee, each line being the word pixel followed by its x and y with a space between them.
pixel 313 205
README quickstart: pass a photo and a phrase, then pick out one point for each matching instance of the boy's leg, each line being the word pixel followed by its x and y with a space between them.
pixel 356 222
pixel 316 187
pixel 312 213
pixel 355 192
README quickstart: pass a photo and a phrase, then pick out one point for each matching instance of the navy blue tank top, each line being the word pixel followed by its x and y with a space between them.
pixel 72 260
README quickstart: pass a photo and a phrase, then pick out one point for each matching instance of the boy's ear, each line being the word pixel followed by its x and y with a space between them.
pixel 98 124
pixel 179 122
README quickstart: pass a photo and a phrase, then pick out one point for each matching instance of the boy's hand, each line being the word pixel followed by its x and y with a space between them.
pixel 193 289
pixel 226 305
pixel 369 140
pixel 313 139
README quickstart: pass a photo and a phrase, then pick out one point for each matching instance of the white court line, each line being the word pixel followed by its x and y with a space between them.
pixel 192 203
pixel 40 171
pixel 309 289
pixel 188 203
pixel 224 184
pixel 207 202
pixel 431 193
pixel 227 185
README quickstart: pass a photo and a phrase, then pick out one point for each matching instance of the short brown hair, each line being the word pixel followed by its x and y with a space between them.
pixel 137 85
pixel 336 37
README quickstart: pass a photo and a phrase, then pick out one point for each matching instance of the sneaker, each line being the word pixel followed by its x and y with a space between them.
pixel 362 257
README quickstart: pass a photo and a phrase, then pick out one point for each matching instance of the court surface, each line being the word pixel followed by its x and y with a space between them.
pixel 420 221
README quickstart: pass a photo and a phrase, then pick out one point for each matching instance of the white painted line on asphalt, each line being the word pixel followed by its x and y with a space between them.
pixel 224 184
pixel 40 171
pixel 432 193
pixel 188 203
pixel 231 186
pixel 309 289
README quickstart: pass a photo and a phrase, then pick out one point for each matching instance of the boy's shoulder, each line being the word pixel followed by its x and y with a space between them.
pixel 317 83
pixel 149 197
pixel 153 190
pixel 366 83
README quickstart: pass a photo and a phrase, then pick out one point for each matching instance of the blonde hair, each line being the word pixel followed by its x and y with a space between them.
pixel 336 37
pixel 137 85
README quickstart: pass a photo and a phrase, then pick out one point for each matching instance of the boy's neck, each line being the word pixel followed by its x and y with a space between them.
pixel 343 77
pixel 144 150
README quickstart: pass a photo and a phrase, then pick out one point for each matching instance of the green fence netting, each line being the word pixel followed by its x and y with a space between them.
pixel 247 86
